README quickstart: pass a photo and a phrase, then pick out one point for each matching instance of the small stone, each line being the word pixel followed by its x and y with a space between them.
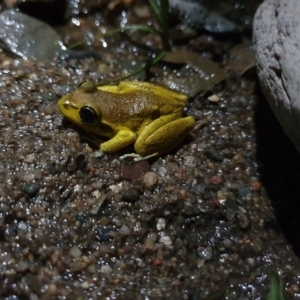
pixel 22 266
pixel 96 194
pixel 216 179
pixel 75 252
pixel 80 161
pixel 172 167
pixel 243 220
pixel 85 285
pixel 124 230
pixel 214 155
pixel 166 241
pixel 157 261
pixel 257 245
pixel 150 179
pixel 52 289
pixel 31 189
pixel 207 253
pixel 106 269
pixel 96 208
pixel 29 121
pixel 243 191
pixel 127 249
pixel 161 224
pixel 162 171
pixel 198 189
pixel 116 188
pixel 104 234
pixel 251 261
pixel 227 243
pixel 255 185
pixel 190 161
pixel 149 246
pixel 295 288
pixel 214 98
pixel 130 195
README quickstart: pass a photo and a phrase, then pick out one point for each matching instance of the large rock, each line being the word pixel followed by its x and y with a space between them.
pixel 276 36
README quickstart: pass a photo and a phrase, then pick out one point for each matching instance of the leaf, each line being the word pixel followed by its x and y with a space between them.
pixel 157 10
pixel 276 287
pixel 206 68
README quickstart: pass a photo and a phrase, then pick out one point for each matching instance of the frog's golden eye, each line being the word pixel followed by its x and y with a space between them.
pixel 88 115
pixel 87 87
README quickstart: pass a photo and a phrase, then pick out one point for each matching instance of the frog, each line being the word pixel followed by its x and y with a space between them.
pixel 144 114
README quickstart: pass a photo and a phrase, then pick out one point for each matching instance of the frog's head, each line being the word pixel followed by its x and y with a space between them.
pixel 79 107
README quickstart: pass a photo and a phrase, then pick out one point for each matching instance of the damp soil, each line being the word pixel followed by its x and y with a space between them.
pixel 212 219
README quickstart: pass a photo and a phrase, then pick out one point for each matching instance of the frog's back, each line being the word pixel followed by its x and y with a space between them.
pixel 158 91
pixel 138 102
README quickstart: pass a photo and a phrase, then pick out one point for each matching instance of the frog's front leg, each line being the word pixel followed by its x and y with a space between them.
pixel 163 134
pixel 122 139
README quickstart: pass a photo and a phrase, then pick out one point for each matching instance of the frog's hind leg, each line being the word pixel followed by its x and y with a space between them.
pixel 163 134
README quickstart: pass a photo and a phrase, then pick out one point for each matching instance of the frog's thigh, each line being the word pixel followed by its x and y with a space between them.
pixel 163 134
pixel 122 139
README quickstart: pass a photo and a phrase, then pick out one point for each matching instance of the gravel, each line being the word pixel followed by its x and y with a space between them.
pixel 211 219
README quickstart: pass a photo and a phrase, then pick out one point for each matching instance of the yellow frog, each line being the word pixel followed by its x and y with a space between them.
pixel 142 113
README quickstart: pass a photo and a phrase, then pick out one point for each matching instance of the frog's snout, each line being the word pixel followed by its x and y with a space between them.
pixel 65 104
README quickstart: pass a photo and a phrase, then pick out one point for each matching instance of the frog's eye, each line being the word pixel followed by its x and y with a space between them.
pixel 88 115
pixel 87 87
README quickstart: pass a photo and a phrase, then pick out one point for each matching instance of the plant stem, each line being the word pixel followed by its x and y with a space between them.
pixel 157 59
pixel 165 24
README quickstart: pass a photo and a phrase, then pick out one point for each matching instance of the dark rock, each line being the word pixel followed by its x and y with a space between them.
pixel 104 234
pixel 31 189
pixel 133 171
pixel 130 195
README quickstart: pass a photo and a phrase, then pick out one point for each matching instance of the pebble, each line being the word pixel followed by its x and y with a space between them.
pixel 149 246
pixel 31 189
pixel 22 266
pixel 214 155
pixel 85 285
pixel 207 253
pixel 130 195
pixel 150 179
pixel 75 252
pixel 116 188
pixel 106 269
pixel 166 241
pixel 103 234
pixel 161 224
pixel 52 289
pixel 190 161
pixel 162 171
pixel 243 191
pixel 198 189
pixel 124 229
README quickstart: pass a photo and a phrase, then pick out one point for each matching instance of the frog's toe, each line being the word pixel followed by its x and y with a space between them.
pixel 136 157
pixel 98 153
pixel 131 155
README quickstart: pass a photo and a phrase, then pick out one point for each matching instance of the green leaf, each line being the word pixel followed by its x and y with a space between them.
pixel 276 287
pixel 157 10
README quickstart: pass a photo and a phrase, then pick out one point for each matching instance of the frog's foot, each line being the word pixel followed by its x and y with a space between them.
pixel 98 153
pixel 136 157
pixel 163 134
